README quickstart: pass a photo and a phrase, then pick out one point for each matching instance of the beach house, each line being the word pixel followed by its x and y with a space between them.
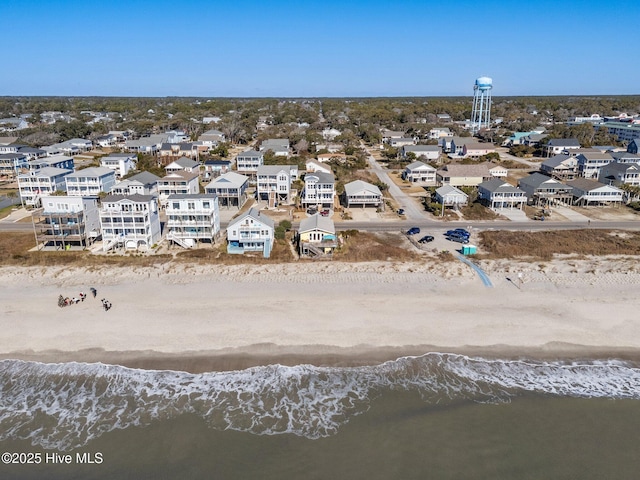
pixel 317 237
pixel 247 162
pixel 274 183
pixel 450 196
pixel 45 181
pixel 230 188
pixel 591 192
pixel 497 194
pixel 191 219
pixel 12 164
pixel 120 163
pixel 363 194
pixel 177 183
pixel 143 183
pixel 319 190
pixel 129 222
pixel 544 190
pixel 65 222
pixel 251 232
pixel 419 172
pixel 90 181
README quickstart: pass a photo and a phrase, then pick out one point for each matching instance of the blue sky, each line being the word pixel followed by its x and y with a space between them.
pixel 247 48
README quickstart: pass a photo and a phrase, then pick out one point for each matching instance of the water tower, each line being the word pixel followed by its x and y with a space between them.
pixel 481 113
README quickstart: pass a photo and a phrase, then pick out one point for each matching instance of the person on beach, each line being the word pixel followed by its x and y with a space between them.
pixel 93 292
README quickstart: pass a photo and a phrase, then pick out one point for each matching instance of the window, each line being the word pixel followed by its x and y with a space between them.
pixel 205 205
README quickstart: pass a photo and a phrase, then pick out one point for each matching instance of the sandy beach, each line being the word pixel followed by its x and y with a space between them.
pixel 197 318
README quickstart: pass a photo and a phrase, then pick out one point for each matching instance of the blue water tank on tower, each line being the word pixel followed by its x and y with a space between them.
pixel 484 83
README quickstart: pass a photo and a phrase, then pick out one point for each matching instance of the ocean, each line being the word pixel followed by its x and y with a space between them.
pixel 440 416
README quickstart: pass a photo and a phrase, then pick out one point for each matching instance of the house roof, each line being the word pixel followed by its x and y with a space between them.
pixel 273 169
pixel 357 186
pixel 183 174
pixel 136 198
pixel 596 155
pixel 585 184
pixel 419 165
pixel 317 222
pixel 460 141
pixel 557 160
pixel 564 142
pixel 184 162
pixel 229 178
pixel 47 172
pixel 92 172
pixel 250 153
pixel 322 177
pixel 458 170
pixel 536 179
pixel 255 214
pixel 617 167
pixel 145 178
pixel 496 184
pixel 445 190
pixel 626 157
pixel 187 196
pixel 421 148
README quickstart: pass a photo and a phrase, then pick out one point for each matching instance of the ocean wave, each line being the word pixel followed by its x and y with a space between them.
pixel 64 406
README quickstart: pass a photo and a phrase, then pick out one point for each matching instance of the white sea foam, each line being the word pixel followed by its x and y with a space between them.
pixel 64 406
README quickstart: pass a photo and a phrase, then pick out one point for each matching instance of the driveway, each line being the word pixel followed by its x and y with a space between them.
pixel 513 214
pixel 571 215
pixel 411 210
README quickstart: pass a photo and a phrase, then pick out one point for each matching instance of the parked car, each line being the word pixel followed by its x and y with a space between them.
pixel 462 231
pixel 325 212
pixel 413 231
pixel 458 237
pixel 401 211
pixel 458 231
pixel 312 210
pixel 426 239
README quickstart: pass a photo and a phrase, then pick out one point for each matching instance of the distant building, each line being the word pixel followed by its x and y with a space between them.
pixel 590 163
pixel 143 183
pixel 448 195
pixel 57 161
pixel 120 163
pixel 543 190
pixel 248 162
pixel 45 181
pixel 11 164
pixel 560 145
pixel 90 181
pixel 426 152
pixel 177 183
